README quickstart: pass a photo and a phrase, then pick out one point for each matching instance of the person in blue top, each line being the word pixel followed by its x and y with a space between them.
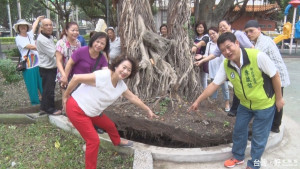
pixel 82 40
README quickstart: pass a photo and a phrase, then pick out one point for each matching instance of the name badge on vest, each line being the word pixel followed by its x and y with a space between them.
pixel 232 75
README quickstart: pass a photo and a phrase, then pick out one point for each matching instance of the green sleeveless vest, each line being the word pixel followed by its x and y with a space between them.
pixel 253 87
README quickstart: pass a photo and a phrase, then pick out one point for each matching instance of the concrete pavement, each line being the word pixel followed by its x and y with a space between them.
pixel 286 154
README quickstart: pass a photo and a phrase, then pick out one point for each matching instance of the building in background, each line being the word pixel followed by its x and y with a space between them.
pixel 256 9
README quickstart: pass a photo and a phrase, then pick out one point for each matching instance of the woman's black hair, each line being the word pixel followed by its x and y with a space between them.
pixel 226 36
pixel 92 33
pixel 67 27
pixel 203 24
pixel 98 35
pixel 214 29
pixel 118 60
pixel 228 23
pixel 163 25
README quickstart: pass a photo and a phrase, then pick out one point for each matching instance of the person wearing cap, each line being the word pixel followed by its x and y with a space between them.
pixel 267 45
pixel 115 44
pixel 257 86
pixel 25 43
pixel 47 49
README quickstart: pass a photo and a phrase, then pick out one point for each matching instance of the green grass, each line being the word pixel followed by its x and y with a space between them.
pixel 33 146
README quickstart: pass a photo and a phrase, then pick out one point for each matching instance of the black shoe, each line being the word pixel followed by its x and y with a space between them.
pixel 100 131
pixel 231 114
pixel 275 130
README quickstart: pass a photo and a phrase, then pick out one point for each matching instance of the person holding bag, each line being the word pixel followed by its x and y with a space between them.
pixel 29 54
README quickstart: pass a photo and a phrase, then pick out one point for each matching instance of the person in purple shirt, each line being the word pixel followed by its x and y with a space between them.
pixel 84 59
pixel 89 58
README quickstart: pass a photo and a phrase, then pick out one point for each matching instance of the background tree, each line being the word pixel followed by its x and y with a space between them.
pixel 96 9
pixel 166 66
pixel 30 10
pixel 213 13
pixel 62 8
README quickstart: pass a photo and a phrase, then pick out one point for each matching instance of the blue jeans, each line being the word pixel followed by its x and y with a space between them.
pixel 225 92
pixel 262 122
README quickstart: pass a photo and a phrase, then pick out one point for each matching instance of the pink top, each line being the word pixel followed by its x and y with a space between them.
pixel 66 49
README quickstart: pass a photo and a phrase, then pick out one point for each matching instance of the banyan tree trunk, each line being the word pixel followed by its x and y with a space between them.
pixel 166 65
pixel 180 57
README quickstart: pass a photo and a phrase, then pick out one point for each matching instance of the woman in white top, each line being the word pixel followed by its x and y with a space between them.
pixel 27 48
pixel 214 65
pixel 97 91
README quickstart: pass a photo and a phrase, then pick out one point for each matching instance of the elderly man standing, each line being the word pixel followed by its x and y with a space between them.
pixel 257 85
pixel 266 44
pixel 46 49
pixel 115 44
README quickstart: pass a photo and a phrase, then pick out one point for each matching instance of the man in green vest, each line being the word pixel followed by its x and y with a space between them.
pixel 257 84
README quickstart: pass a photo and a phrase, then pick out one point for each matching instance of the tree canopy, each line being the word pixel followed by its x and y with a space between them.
pixel 29 10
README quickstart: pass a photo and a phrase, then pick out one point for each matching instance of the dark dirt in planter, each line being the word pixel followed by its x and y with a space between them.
pixel 209 126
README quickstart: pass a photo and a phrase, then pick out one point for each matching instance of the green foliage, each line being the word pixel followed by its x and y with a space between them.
pixel 154 9
pixel 210 115
pixel 86 37
pixel 7 40
pixel 226 123
pixel 1 93
pixel 164 105
pixel 8 70
pixel 43 145
pixel 92 8
pixel 12 52
pixel 96 9
pixel 29 9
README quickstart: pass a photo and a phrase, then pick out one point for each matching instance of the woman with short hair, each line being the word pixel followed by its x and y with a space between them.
pixel 97 91
pixel 88 58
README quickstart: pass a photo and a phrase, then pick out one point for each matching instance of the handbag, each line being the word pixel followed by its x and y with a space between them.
pixel 21 66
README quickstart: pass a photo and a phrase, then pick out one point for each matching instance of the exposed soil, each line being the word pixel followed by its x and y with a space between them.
pixel 209 126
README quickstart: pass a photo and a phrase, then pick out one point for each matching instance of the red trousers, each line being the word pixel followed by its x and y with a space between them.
pixel 85 125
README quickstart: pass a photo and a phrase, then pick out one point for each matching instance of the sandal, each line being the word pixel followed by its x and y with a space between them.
pixel 42 112
pixel 128 144
pixel 56 113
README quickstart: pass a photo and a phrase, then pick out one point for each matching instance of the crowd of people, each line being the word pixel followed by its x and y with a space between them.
pixel 253 64
pixel 91 78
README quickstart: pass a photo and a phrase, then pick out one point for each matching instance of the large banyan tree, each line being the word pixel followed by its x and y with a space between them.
pixel 166 65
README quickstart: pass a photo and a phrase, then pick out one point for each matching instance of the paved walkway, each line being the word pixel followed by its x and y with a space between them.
pixel 286 155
